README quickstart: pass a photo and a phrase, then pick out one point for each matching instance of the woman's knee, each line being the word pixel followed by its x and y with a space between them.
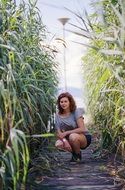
pixel 59 144
pixel 74 137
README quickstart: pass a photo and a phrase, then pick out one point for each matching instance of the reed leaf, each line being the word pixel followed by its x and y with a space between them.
pixel 28 85
pixel 104 69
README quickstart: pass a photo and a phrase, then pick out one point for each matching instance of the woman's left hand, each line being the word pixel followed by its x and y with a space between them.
pixel 61 135
pixel 64 134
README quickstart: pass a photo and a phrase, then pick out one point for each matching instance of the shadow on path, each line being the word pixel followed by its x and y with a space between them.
pixel 90 174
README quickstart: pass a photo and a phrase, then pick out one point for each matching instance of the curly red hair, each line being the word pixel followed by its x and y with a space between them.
pixel 71 100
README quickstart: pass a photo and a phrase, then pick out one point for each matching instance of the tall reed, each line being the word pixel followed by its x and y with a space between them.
pixel 28 84
pixel 106 78
pixel 104 69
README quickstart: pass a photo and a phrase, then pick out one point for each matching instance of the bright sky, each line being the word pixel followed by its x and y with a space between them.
pixel 50 12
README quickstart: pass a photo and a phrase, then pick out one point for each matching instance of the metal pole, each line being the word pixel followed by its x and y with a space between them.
pixel 64 21
pixel 64 59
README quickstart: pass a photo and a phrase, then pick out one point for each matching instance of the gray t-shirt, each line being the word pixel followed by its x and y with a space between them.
pixel 69 122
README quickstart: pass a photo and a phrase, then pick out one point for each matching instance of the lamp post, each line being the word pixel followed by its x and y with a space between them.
pixel 63 21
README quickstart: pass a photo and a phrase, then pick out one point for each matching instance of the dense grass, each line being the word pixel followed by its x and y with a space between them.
pixel 28 84
pixel 104 69
pixel 105 74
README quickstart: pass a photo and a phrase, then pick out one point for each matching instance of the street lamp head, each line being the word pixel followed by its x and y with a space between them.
pixel 64 20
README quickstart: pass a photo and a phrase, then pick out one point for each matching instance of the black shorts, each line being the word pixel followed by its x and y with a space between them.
pixel 88 138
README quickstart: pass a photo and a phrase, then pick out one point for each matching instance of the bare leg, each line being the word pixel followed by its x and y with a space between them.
pixel 64 145
pixel 59 144
pixel 77 141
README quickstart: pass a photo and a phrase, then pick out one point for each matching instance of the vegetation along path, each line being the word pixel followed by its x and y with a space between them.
pixel 91 174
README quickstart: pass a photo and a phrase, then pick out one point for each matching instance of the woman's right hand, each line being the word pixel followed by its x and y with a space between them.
pixel 63 145
pixel 66 145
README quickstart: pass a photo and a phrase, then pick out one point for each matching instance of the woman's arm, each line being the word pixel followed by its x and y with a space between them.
pixel 59 134
pixel 81 127
pixel 80 124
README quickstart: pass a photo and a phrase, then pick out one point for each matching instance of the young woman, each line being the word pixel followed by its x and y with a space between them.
pixel 71 132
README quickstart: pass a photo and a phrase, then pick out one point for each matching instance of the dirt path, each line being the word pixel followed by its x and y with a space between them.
pixel 90 174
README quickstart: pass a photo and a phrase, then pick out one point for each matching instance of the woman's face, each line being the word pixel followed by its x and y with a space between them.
pixel 64 103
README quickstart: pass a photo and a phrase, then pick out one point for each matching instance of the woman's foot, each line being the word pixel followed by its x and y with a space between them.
pixel 76 157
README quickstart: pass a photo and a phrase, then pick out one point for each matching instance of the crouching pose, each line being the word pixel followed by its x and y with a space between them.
pixel 72 135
